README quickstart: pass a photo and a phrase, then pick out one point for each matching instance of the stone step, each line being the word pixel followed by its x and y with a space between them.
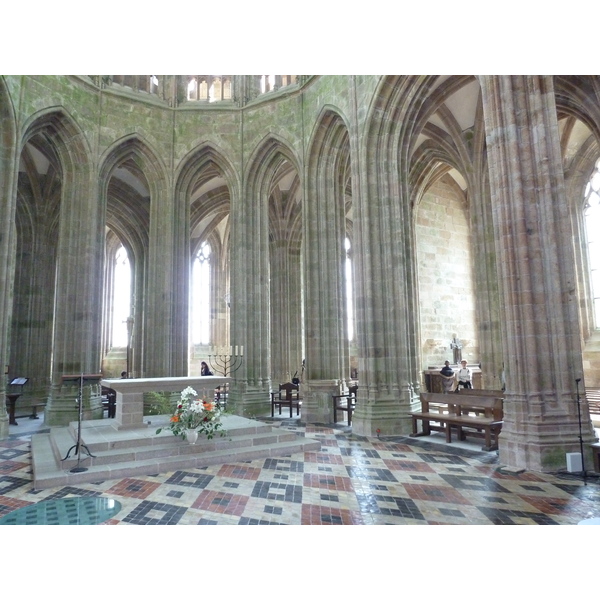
pixel 56 477
pixel 102 435
pixel 163 446
pixel 118 454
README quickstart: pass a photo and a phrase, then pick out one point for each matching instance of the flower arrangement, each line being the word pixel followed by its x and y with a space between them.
pixel 195 414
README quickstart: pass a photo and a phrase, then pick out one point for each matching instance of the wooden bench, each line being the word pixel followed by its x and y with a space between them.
pixel 346 403
pixel 467 413
pixel 474 392
pixel 34 405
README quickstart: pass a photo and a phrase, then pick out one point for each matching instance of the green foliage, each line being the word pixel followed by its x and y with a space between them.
pixel 157 403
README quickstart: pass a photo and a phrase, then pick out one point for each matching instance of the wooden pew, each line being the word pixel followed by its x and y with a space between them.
pixel 33 404
pixel 467 413
pixel 474 392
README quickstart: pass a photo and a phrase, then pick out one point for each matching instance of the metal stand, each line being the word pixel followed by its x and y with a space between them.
pixel 226 360
pixel 79 444
pixel 580 434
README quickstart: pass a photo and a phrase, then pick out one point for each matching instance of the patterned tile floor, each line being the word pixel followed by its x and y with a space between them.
pixel 350 481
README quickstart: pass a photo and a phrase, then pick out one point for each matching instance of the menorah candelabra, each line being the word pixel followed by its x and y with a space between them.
pixel 226 359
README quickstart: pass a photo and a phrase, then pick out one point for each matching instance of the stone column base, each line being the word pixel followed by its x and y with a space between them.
pixel 3 425
pixel 385 415
pixel 249 403
pixel 544 455
pixel 317 403
pixel 62 407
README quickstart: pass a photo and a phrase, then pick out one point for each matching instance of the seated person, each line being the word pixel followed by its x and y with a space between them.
pixel 447 374
pixel 464 376
pixel 205 370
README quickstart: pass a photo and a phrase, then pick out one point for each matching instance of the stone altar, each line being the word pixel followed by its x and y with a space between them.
pixel 130 394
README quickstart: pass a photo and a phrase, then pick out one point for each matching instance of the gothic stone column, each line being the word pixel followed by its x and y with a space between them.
pixel 166 306
pixel 77 315
pixel 286 322
pixel 8 172
pixel 535 257
pixel 324 260
pixel 249 312
pixel 385 275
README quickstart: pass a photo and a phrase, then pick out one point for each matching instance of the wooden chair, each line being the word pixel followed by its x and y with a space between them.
pixel 345 402
pixel 222 395
pixel 287 395
pixel 109 401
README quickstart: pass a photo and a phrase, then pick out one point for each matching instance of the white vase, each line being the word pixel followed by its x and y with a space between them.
pixel 191 436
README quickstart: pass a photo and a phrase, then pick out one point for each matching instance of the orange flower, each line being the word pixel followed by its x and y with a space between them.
pixel 208 405
pixel 175 419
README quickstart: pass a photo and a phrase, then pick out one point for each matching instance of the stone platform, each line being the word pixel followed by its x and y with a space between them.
pixel 118 453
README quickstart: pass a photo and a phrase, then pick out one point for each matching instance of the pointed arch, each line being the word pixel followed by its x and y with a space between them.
pixel 65 273
pixel 273 162
pixel 65 137
pixel 206 182
pixel 132 176
pixel 577 96
pixel 203 165
pixel 328 180
pixel 271 221
pixel 127 198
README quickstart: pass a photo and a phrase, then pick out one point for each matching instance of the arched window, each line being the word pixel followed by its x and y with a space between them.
pixel 349 291
pixel 591 212
pixel 201 296
pixel 121 298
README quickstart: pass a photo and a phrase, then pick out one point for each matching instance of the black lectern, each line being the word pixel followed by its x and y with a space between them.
pixel 12 398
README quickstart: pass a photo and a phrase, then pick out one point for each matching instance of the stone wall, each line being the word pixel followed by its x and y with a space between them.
pixel 444 258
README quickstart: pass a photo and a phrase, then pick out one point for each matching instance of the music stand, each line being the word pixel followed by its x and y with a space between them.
pixel 78 445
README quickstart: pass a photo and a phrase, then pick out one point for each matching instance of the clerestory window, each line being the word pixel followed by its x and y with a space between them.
pixel 210 88
pixel 201 288
pixel 121 298
pixel 349 290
